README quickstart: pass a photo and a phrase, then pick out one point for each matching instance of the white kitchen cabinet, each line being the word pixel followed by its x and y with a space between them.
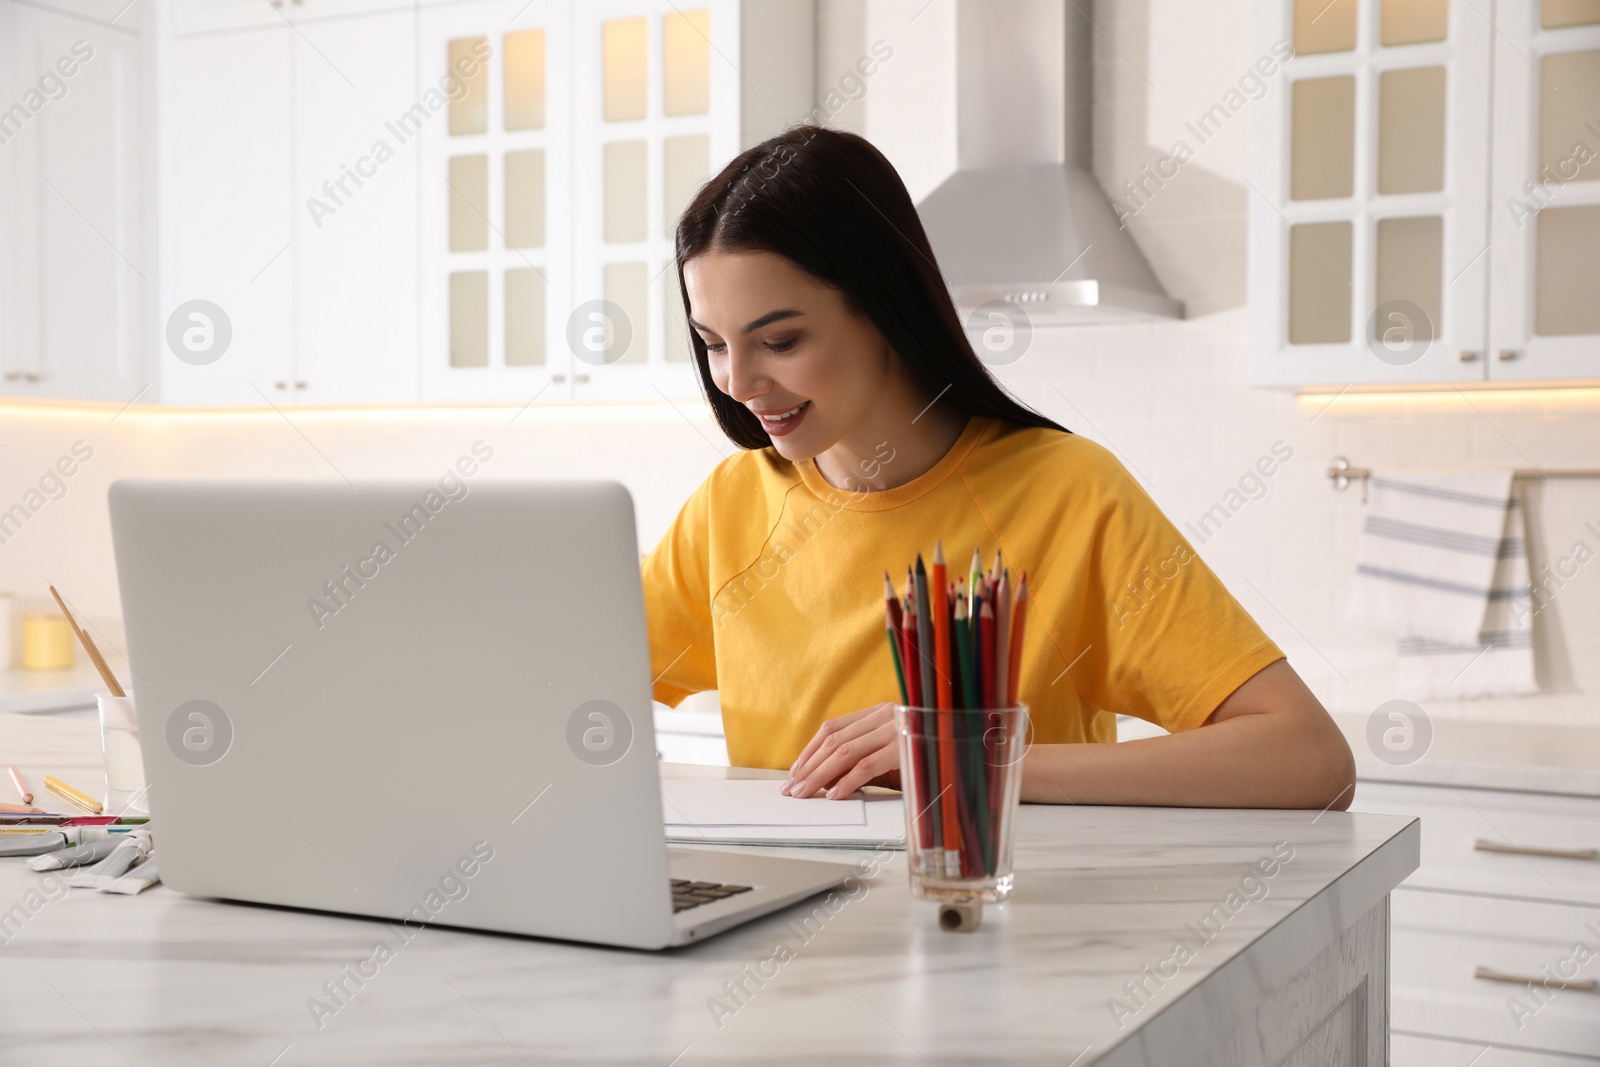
pixel 496 236
pixel 1368 219
pixel 76 270
pixel 205 16
pixel 292 208
pixel 648 100
pixel 1484 932
pixel 355 211
pixel 228 218
pixel 1384 248
pixel 359 224
pixel 1544 320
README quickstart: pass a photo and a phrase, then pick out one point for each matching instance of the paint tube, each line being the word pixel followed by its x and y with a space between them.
pixel 133 846
pixel 76 856
pixel 32 844
pixel 137 880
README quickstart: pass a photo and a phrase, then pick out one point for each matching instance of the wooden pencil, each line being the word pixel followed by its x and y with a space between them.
pixel 891 627
pixel 1019 619
pixel 929 730
pixel 949 808
pixel 99 661
pixel 1002 640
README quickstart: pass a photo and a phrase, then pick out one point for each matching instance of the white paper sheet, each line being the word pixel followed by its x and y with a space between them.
pixel 716 802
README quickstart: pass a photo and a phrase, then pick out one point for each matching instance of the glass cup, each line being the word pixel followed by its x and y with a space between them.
pixel 961 773
pixel 119 741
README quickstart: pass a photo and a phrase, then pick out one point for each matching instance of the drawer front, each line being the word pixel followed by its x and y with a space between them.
pixel 1446 948
pixel 1407 1050
pixel 1513 844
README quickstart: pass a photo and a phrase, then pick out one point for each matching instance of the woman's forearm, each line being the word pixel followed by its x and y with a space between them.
pixel 1247 761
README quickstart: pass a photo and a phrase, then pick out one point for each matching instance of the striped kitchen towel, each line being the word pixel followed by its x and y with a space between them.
pixel 1443 564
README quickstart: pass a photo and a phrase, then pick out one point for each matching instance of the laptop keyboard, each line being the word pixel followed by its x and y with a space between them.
pixel 687 894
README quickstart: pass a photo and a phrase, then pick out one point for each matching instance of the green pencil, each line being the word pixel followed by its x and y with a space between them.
pixel 891 626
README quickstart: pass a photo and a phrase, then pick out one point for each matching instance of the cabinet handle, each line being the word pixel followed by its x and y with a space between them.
pixel 299 385
pixel 1468 356
pixel 558 378
pixel 13 376
pixel 280 385
pixel 1481 845
pixel 1508 354
pixel 33 377
pixel 1487 974
pixel 580 378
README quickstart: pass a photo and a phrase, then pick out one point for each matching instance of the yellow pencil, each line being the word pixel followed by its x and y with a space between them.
pixel 72 796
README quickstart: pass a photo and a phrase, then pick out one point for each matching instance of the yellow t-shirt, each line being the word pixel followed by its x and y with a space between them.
pixel 769 588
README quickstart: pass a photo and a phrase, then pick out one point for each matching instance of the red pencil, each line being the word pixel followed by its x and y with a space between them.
pixel 944 663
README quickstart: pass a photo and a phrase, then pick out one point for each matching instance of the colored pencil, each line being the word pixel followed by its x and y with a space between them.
pixel 994 736
pixel 925 657
pixel 925 634
pixel 1019 621
pixel 1002 640
pixel 974 580
pixel 946 725
pixel 22 787
pixel 908 643
pixel 917 772
pixel 99 661
pixel 980 750
pixel 959 726
pixel 891 627
pixel 67 793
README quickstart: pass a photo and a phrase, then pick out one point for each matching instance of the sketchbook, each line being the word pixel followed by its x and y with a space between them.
pixel 753 812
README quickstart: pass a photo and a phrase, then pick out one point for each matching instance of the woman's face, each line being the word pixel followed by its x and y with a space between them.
pixel 787 348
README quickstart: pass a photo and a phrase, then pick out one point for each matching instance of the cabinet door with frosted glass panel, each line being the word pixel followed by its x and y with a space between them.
pixel 496 190
pixel 657 111
pixel 1369 245
pixel 1545 213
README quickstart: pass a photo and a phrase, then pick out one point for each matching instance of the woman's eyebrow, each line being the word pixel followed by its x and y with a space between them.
pixel 769 317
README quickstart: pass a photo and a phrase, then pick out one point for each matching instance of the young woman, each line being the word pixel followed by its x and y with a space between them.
pixel 830 352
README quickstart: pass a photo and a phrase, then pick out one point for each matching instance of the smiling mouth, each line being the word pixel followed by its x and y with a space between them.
pixel 785 416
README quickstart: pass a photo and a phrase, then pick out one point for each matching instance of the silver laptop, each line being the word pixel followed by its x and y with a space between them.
pixel 425 701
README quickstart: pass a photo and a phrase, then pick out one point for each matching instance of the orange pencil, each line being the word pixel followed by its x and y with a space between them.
pixel 1019 621
pixel 944 665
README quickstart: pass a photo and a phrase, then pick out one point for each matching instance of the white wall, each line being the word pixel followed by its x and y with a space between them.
pixel 660 452
pixel 1169 398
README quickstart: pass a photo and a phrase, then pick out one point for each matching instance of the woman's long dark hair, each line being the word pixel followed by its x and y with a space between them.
pixel 830 202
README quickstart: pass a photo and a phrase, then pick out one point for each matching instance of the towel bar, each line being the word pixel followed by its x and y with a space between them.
pixel 1341 473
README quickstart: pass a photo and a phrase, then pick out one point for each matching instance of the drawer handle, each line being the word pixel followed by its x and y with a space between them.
pixel 1530 850
pixel 1488 974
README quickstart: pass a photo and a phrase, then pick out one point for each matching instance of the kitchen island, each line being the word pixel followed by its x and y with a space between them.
pixel 1135 936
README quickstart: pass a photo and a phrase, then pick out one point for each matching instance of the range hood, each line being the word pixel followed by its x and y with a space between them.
pixel 1022 219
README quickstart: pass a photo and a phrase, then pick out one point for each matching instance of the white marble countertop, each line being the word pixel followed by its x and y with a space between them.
pixel 1527 757
pixel 1102 893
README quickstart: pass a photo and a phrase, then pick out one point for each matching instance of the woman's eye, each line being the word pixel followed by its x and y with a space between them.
pixel 781 346
pixel 718 347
